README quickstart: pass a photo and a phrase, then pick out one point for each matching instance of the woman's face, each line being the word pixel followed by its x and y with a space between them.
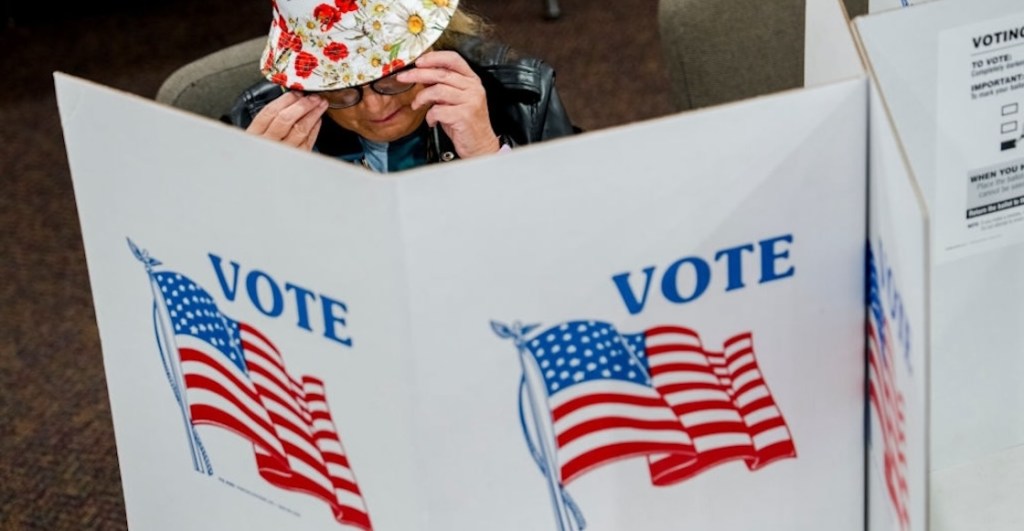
pixel 381 118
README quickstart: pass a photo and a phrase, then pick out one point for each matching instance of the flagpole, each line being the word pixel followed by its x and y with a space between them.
pixel 172 361
pixel 544 439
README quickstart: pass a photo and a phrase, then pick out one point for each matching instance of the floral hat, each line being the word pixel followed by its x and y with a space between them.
pixel 333 44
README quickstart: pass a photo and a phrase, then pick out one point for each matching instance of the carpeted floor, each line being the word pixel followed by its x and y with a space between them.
pixel 58 464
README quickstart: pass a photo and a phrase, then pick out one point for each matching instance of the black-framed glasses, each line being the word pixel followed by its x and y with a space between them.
pixel 388 85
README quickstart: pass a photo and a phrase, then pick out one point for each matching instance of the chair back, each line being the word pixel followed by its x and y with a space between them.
pixel 210 84
pixel 719 51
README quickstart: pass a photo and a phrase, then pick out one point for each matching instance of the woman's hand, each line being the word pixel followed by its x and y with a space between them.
pixel 457 101
pixel 293 118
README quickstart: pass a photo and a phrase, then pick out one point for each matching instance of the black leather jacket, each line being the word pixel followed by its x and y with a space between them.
pixel 522 101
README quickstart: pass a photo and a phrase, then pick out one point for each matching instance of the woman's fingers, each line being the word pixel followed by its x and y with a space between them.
pixel 262 120
pixel 446 60
pixel 445 95
pixel 291 119
pixel 300 132
pixel 311 138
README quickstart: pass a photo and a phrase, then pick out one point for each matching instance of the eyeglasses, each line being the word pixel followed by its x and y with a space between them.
pixel 347 97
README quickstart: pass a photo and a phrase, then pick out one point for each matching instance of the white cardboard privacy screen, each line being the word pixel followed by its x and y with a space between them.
pixel 830 53
pixel 897 485
pixel 649 327
pixel 877 6
pixel 950 73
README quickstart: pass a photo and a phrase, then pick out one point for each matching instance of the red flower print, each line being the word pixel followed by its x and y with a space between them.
pixel 346 6
pixel 393 66
pixel 336 51
pixel 269 63
pixel 296 86
pixel 279 79
pixel 304 64
pixel 282 23
pixel 327 15
pixel 290 41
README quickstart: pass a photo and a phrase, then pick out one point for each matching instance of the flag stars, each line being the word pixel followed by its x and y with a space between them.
pixel 577 352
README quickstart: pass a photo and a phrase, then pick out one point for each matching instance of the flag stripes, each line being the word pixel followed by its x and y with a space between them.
pixel 235 378
pixel 300 415
pixel 888 405
pixel 603 421
pixel 720 398
pixel 659 395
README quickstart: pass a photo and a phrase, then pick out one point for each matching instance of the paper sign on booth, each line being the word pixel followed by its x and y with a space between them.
pixel 631 328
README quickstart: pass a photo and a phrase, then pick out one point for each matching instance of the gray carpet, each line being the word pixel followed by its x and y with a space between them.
pixel 58 463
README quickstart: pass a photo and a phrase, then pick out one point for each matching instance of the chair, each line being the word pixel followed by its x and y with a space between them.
pixel 210 84
pixel 716 52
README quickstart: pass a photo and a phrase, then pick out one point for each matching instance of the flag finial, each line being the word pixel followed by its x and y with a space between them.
pixel 143 256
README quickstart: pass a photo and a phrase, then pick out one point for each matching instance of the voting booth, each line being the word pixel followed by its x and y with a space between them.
pixel 794 312
pixel 651 327
pixel 948 81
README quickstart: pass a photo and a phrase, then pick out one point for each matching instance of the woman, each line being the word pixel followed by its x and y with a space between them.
pixel 394 84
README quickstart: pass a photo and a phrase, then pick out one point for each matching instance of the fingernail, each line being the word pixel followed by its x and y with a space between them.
pixel 318 99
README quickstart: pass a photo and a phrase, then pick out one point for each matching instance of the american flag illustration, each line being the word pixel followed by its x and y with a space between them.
pixel 886 402
pixel 235 378
pixel 659 394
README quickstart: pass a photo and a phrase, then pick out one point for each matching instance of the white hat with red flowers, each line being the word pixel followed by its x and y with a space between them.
pixel 333 44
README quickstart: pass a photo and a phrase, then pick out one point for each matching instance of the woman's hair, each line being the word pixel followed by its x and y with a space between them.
pixel 462 24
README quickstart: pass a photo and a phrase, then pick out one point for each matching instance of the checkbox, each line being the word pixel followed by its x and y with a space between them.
pixel 1009 127
pixel 1011 108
